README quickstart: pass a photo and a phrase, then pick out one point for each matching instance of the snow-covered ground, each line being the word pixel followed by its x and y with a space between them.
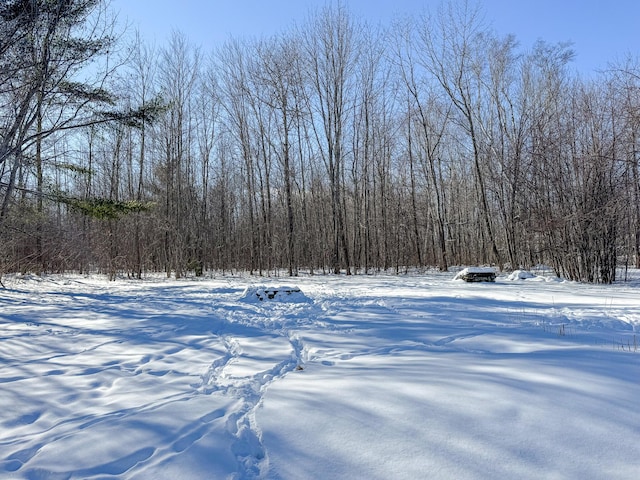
pixel 364 377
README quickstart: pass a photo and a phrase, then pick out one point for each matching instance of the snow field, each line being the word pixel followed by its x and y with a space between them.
pixel 370 377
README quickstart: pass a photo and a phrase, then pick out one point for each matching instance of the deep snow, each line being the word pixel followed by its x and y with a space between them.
pixel 363 377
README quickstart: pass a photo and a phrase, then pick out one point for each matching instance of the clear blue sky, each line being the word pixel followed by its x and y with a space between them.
pixel 601 30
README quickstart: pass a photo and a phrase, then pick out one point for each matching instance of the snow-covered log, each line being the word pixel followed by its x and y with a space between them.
pixel 477 274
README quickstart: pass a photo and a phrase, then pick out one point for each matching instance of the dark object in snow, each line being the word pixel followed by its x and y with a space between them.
pixel 271 293
pixel 477 274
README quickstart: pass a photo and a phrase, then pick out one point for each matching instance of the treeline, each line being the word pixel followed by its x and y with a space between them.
pixel 332 147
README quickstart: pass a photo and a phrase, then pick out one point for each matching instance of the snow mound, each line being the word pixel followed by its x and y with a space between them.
pixel 520 275
pixel 284 294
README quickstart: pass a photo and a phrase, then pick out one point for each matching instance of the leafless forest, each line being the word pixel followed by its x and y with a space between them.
pixel 334 146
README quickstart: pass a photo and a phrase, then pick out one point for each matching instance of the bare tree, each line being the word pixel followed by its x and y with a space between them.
pixel 506 126
pixel 235 89
pixel 278 77
pixel 331 43
pixel 625 82
pixel 139 80
pixel 453 43
pixel 207 110
pixel 431 117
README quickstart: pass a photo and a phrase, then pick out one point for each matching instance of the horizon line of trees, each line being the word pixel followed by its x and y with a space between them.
pixel 332 147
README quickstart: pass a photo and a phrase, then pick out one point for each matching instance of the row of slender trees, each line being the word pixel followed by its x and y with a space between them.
pixel 332 147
